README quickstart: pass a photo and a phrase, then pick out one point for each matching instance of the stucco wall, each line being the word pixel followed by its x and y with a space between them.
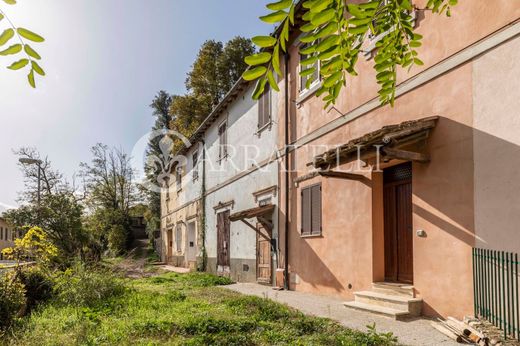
pixel 496 138
pixel 229 180
pixel 444 190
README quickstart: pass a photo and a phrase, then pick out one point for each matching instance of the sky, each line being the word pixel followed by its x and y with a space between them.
pixel 105 60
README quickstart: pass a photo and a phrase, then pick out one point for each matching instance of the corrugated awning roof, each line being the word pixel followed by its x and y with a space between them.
pixel 253 212
pixel 391 136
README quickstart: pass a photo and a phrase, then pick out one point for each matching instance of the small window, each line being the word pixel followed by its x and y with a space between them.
pixel 264 108
pixel 195 170
pixel 307 82
pixel 264 202
pixel 178 238
pixel 178 177
pixel 222 134
pixel 311 210
pixel 167 185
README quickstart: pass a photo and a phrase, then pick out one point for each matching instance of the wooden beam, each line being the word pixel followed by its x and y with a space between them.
pixel 267 225
pixel 256 230
pixel 341 175
pixel 405 155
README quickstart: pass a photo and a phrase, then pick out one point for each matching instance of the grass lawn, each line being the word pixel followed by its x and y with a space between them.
pixel 182 309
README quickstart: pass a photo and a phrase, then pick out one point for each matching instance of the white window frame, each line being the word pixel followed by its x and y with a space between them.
pixel 302 89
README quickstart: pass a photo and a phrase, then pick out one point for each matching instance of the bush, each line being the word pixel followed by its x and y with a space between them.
pixel 38 286
pixel 117 239
pixel 80 286
pixel 12 299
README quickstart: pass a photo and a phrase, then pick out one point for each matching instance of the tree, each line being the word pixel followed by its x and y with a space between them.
pixel 215 70
pixel 59 211
pixel 60 215
pixel 111 192
pixel 31 56
pixel 51 180
pixel 160 110
pixel 335 32
pixel 231 63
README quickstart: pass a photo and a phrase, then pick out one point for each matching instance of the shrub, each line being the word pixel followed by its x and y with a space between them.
pixel 117 239
pixel 12 298
pixel 38 286
pixel 80 286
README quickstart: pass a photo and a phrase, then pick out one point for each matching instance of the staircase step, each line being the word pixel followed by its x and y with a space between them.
pixel 401 303
pixel 394 289
pixel 376 309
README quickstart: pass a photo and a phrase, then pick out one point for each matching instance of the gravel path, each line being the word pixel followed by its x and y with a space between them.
pixel 413 332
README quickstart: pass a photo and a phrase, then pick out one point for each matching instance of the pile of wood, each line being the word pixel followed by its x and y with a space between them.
pixel 462 332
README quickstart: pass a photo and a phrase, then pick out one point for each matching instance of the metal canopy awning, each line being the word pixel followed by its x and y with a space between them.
pixel 389 142
pixel 261 213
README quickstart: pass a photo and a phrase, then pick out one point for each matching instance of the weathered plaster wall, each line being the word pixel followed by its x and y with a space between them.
pixel 496 138
pixel 6 233
pixel 247 147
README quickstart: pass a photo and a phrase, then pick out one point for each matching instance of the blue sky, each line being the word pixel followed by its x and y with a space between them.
pixel 105 60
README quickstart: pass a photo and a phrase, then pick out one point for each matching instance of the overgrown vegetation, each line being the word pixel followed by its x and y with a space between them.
pixel 175 309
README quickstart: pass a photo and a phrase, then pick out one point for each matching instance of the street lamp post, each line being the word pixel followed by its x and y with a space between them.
pixel 28 161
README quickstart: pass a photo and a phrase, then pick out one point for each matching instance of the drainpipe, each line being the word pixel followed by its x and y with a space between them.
pixel 203 202
pixel 286 243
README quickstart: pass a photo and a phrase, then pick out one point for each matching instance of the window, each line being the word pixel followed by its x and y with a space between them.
pixel 264 202
pixel 178 238
pixel 222 134
pixel 195 160
pixel 1 233
pixel 311 210
pixel 167 185
pixel 178 177
pixel 264 108
pixel 307 82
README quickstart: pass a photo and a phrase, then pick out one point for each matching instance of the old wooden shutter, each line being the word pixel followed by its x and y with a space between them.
pixel 316 209
pixel 264 108
pixel 306 211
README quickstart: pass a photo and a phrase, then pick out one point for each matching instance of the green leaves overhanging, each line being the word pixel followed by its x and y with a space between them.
pixel 335 34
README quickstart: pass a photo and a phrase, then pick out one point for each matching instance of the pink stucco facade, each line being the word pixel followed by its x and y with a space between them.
pixel 452 193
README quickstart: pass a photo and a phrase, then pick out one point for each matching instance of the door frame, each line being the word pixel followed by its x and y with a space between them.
pixel 169 245
pixel 259 238
pixel 225 267
pixel 391 270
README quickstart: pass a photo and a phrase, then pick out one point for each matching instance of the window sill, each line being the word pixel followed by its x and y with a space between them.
pixel 311 235
pixel 307 93
pixel 261 129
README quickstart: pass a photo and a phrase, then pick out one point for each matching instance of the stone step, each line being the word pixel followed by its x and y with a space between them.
pixel 394 289
pixel 376 309
pixel 413 306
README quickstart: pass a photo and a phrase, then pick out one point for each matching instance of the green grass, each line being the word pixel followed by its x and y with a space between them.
pixel 182 309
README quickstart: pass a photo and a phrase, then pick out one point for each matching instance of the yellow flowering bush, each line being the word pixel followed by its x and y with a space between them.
pixel 34 245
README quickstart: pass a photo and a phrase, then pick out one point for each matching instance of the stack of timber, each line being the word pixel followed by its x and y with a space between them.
pixel 461 332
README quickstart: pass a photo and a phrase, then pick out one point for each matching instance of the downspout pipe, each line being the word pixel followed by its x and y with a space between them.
pixel 203 212
pixel 286 242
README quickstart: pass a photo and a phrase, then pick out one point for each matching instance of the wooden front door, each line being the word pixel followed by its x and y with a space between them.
pixel 223 237
pixel 398 223
pixel 263 256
